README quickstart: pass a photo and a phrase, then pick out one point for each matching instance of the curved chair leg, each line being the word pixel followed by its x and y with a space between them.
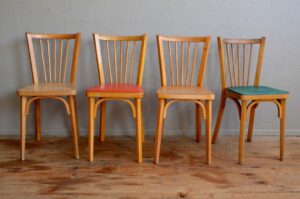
pixel 38 120
pixel 198 123
pixel 208 106
pixel 74 125
pixel 219 119
pixel 139 130
pixel 102 122
pixel 159 129
pixel 251 123
pixel 242 129
pixel 91 128
pixel 282 127
pixel 23 126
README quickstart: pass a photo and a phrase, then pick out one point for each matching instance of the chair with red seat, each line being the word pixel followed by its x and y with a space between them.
pixel 117 65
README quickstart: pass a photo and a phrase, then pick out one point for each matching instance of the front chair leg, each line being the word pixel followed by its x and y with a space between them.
pixel 208 130
pixel 242 129
pixel 219 119
pixel 23 126
pixel 251 123
pixel 282 127
pixel 159 129
pixel 74 125
pixel 76 116
pixel 91 128
pixel 38 120
pixel 198 123
pixel 139 130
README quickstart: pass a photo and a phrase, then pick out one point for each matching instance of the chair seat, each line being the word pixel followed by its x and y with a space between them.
pixel 115 90
pixel 181 92
pixel 48 89
pixel 257 91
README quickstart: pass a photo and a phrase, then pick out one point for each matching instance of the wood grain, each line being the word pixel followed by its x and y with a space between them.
pixel 51 172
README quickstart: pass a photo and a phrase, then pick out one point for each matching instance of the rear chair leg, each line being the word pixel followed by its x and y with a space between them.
pixel 143 125
pixel 159 129
pixel 102 121
pixel 198 123
pixel 219 119
pixel 74 125
pixel 38 120
pixel 251 123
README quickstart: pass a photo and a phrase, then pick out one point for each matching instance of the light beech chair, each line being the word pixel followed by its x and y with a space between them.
pixel 53 67
pixel 236 61
pixel 117 66
pixel 182 80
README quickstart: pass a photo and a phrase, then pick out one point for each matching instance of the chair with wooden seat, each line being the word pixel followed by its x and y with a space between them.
pixel 182 74
pixel 117 65
pixel 53 68
pixel 236 58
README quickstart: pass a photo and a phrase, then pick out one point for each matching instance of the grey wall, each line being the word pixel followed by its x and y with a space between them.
pixel 278 20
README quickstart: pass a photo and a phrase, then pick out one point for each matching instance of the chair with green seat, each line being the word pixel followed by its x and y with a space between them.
pixel 236 57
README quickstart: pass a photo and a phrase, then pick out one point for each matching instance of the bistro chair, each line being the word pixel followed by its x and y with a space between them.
pixel 182 74
pixel 236 57
pixel 120 78
pixel 53 68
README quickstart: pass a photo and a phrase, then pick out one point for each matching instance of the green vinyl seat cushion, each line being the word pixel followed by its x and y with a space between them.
pixel 255 90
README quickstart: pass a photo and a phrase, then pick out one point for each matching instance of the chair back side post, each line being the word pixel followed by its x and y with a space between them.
pixel 233 54
pixel 99 59
pixel 54 67
pixel 142 58
pixel 222 64
pixel 183 64
pixel 203 61
pixel 75 59
pixel 120 64
pixel 259 61
pixel 32 59
pixel 161 59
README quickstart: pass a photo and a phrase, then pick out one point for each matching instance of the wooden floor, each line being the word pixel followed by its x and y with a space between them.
pixel 51 172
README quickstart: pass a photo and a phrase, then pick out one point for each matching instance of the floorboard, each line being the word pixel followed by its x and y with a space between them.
pixel 51 172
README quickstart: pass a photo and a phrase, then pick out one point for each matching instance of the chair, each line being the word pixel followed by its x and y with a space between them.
pixel 124 75
pixel 240 54
pixel 179 83
pixel 54 77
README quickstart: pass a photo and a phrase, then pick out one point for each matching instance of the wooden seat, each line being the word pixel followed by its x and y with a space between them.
pixel 177 71
pixel 123 84
pixel 183 92
pixel 48 89
pixel 112 90
pixel 53 68
pixel 236 59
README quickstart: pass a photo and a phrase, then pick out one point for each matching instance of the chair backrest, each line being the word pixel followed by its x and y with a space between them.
pixel 118 54
pixel 187 57
pixel 236 57
pixel 51 57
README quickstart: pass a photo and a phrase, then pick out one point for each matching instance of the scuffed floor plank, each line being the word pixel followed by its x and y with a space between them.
pixel 51 172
